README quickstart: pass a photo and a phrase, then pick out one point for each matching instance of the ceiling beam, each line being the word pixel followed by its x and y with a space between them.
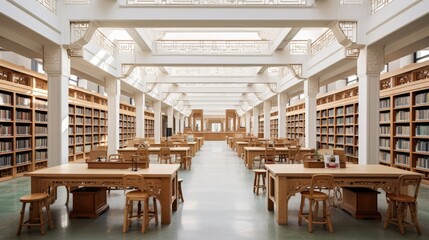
pixel 287 38
pixel 208 89
pixel 215 79
pixel 141 39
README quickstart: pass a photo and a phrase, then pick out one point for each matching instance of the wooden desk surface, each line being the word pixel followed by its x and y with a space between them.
pixel 153 149
pixel 81 170
pixel 298 170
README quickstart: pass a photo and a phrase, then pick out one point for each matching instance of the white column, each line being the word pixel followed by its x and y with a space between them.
pixel 248 130
pixel 57 65
pixel 255 121
pixel 340 84
pixel 177 123
pixel 311 87
pixel 113 90
pixel 370 64
pixel 182 123
pixel 140 125
pixel 157 120
pixel 282 99
pixel 186 122
pixel 407 60
pixel 267 111
pixel 170 115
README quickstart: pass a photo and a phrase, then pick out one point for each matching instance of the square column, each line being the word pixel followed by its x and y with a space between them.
pixel 370 64
pixel 140 122
pixel 255 121
pixel 157 120
pixel 267 112
pixel 282 103
pixel 57 65
pixel 311 88
pixel 170 117
pixel 182 123
pixel 113 90
pixel 248 130
pixel 177 122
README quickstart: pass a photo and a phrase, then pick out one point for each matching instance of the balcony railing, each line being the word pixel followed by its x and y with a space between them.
pixel 207 47
pixel 208 3
pixel 377 5
pixel 125 46
pixel 51 5
pixel 78 2
pixel 322 42
pixel 298 47
pixel 103 42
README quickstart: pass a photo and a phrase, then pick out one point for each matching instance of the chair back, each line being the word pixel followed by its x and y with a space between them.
pixel 164 151
pixel 294 153
pixel 269 155
pixel 321 181
pixel 97 153
pixel 409 185
pixel 147 185
pixel 115 158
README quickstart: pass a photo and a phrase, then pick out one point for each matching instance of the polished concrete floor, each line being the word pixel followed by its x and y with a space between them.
pixel 219 204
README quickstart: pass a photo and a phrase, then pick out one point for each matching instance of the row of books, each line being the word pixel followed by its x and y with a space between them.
pixel 422 130
pixel 6 161
pixel 41 142
pixel 385 117
pixel 385 130
pixel 402 144
pixel 41 130
pixel 23 158
pixel 422 162
pixel 402 159
pixel 384 142
pixel 23 101
pixel 349 110
pixel 41 104
pixel 5 115
pixel 6 146
pixel 5 130
pixel 41 117
pixel 422 98
pixel 422 114
pixel 385 103
pixel 384 156
pixel 23 115
pixel 422 146
pixel 403 130
pixel 5 99
pixel 402 101
pixel 41 155
pixel 23 144
pixel 23 130
pixel 403 116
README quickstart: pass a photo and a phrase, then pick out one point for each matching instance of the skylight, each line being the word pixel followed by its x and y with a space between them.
pixel 212 71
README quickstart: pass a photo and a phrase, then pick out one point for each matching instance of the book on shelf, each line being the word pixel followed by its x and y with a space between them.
pixel 402 101
pixel 402 144
pixel 402 159
pixel 422 114
pixel 422 146
pixel 422 98
pixel 423 162
pixel 385 103
pixel 422 130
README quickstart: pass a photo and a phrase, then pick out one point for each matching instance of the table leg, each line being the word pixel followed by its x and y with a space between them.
pixel 250 157
pixel 166 196
pixel 270 191
pixel 281 200
pixel 36 187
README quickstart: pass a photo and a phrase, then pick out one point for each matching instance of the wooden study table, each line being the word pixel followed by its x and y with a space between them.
pixel 239 147
pixel 79 175
pixel 128 152
pixel 285 180
pixel 251 152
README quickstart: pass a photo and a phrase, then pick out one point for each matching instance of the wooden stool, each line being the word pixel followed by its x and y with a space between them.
pixel 180 195
pixel 41 199
pixel 318 181
pixel 258 174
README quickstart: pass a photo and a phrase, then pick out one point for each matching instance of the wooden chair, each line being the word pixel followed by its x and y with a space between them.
pixel 404 196
pixel 142 156
pixel 164 155
pixel 315 195
pixel 146 189
pixel 259 174
pixel 98 153
pixel 115 158
pixel 293 154
pixel 42 200
pixel 186 162
pixel 269 156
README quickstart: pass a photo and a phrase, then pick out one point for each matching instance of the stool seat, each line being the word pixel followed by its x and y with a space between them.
pixel 400 198
pixel 319 196
pixel 136 195
pixel 34 197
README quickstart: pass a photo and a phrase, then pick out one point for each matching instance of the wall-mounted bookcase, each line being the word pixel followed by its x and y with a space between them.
pixel 261 126
pixel 274 125
pixel 24 121
pixel 404 118
pixel 295 122
pixel 149 122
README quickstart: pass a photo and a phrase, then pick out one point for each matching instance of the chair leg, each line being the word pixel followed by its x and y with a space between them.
pixel 155 211
pixel 257 183
pixel 264 187
pixel 301 207
pixel 125 224
pixel 327 216
pixel 21 219
pixel 254 182
pixel 42 221
pixel 181 193
pixel 413 210
pixel 67 195
pixel 145 220
pixel 400 216
pixel 310 216
pixel 316 210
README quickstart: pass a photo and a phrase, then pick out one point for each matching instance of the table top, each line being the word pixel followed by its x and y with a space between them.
pixel 81 170
pixel 350 170
pixel 277 148
pixel 155 149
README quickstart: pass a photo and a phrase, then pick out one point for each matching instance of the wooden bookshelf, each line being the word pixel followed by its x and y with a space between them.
pixel 261 126
pixel 24 122
pixel 295 122
pixel 149 122
pixel 404 118
pixel 274 125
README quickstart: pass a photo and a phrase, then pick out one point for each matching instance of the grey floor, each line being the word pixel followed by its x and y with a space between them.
pixel 219 204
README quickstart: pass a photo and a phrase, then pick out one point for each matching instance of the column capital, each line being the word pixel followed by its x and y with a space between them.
pixel 371 60
pixel 311 86
pixel 55 60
